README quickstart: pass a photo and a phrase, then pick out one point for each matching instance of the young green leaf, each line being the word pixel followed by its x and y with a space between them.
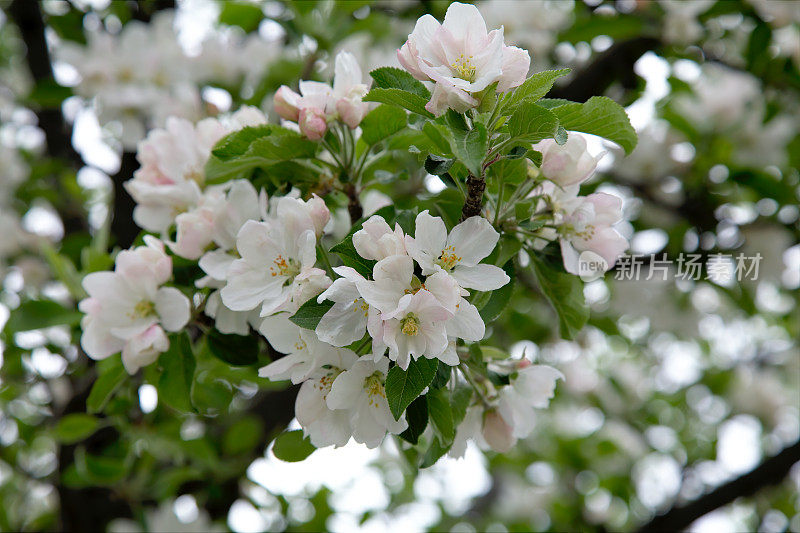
pixel 38 314
pixel 438 165
pixel 398 97
pixel 310 313
pixel 291 446
pixel 565 293
pixel 349 256
pixel 395 78
pixel 599 116
pixel 403 386
pixel 381 122
pixel 175 382
pixel 499 298
pixel 470 147
pixel 531 123
pixel 535 87
pixel 441 413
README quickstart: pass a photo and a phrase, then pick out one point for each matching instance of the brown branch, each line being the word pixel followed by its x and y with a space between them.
pixel 770 472
pixel 474 200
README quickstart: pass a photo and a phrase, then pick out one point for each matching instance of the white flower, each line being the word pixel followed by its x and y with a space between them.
pixel 324 426
pixel 586 225
pixel 461 57
pixel 346 321
pixel 567 164
pixel 361 391
pixel 376 240
pixel 458 254
pixel 127 309
pixel 172 171
pixel 305 351
pixel 348 90
pixel 532 389
pixel 276 270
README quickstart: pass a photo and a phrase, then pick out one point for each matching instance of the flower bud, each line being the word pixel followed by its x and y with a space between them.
pixel 351 108
pixel 319 213
pixel 312 123
pixel 568 164
pixel 286 103
pixel 496 431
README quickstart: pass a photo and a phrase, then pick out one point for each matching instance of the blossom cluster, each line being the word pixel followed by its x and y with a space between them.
pixel 583 225
pixel 318 103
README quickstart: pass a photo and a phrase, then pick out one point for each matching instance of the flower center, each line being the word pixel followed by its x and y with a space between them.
pixel 464 68
pixel 448 258
pixel 373 384
pixel 144 309
pixel 410 325
pixel 325 383
pixel 360 305
pixel 285 267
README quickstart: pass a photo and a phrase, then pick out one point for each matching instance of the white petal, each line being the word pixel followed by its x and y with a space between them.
pixel 480 277
pixel 473 239
pixel 173 308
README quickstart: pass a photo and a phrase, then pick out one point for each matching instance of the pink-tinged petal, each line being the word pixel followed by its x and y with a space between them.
pixel 607 208
pixel 447 96
pixel 427 307
pixel 144 349
pixel 256 244
pixel 313 123
pixel 444 288
pixel 480 277
pixel 97 341
pixel 606 242
pixel 348 387
pixel 286 103
pixel 216 263
pixel 497 432
pixel 173 308
pixel 516 63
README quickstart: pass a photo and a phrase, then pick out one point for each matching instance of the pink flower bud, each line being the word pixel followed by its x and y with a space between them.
pixel 312 123
pixel 497 433
pixel 523 363
pixel 286 103
pixel 319 212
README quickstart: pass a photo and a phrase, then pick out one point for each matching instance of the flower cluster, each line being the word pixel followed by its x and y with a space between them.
pixel 129 309
pixel 318 103
pixel 584 225
pixel 462 58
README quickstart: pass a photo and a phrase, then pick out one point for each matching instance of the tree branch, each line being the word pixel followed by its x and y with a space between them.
pixel 770 472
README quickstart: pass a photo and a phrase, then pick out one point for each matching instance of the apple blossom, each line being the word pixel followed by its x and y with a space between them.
pixel 346 321
pixel 462 58
pixel 276 270
pixel 348 90
pixel 376 240
pixel 324 426
pixel 532 388
pixel 361 390
pixel 566 164
pixel 127 310
pixel 459 253
pixel 287 103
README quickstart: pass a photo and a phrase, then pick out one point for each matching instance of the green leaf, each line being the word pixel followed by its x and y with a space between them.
pixel 442 376
pixel 75 427
pixel 565 293
pixel 237 143
pixel 349 256
pixel 210 395
pixel 459 402
pixel 535 87
pixel 38 314
pixel 438 165
pixel 433 454
pixel 100 469
pixel 236 350
pixel 417 418
pixel 599 116
pixel 398 97
pixel 175 382
pixel 381 122
pixel 470 147
pixel 403 386
pixel 499 298
pixel 437 134
pixel 48 93
pixel 310 313
pixel 441 414
pixel 395 78
pixel 490 352
pixel 531 123
pixel 291 446
pixel 104 387
pixel 243 435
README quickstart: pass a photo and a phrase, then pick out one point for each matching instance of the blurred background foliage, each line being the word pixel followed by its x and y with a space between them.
pixel 675 389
